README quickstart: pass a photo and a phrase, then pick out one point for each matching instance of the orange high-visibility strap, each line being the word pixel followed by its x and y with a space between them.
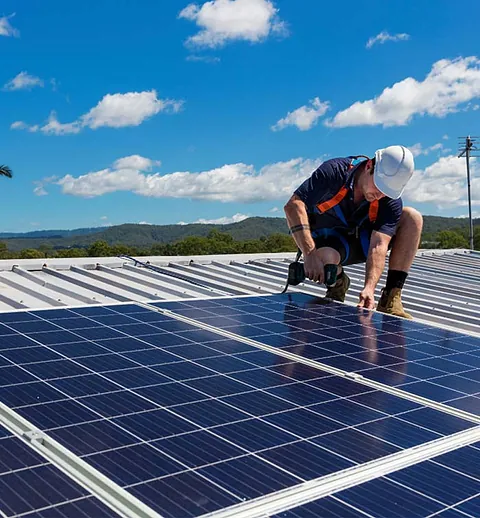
pixel 327 205
pixel 373 211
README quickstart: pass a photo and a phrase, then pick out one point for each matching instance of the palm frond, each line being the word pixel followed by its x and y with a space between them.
pixel 5 171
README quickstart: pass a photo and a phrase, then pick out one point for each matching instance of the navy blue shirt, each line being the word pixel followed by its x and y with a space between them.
pixel 326 181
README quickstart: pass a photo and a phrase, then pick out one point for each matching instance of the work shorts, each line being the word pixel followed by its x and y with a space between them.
pixel 352 246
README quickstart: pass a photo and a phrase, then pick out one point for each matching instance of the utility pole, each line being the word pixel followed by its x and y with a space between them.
pixel 469 149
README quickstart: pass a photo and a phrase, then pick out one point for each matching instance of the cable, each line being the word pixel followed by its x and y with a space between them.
pixel 175 275
pixel 296 272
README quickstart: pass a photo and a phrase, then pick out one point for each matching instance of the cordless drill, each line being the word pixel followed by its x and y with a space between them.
pixel 296 274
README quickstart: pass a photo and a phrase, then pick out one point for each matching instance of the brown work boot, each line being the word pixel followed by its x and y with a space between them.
pixel 391 303
pixel 339 289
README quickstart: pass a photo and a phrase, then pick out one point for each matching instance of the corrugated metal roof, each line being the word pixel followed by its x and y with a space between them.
pixel 443 287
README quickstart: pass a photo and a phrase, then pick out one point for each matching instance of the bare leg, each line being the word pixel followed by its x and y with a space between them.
pixel 329 255
pixel 407 240
pixel 402 255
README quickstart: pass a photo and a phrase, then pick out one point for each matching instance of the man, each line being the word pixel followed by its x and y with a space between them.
pixel 348 214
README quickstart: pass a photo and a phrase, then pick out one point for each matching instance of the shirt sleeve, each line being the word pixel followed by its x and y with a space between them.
pixel 389 212
pixel 328 178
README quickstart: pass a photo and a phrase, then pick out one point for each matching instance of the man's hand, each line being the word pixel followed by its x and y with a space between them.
pixel 314 267
pixel 366 299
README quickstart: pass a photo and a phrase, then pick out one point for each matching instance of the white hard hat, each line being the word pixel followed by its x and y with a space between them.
pixel 394 167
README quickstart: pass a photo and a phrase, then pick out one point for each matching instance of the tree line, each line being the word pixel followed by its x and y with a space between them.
pixel 215 242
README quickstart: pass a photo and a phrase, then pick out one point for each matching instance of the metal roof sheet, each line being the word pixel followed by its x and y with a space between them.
pixel 443 287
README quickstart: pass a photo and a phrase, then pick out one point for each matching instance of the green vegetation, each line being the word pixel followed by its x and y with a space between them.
pixel 253 235
pixel 214 243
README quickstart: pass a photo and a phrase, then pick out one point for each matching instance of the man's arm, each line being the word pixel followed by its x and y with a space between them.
pixel 377 254
pixel 298 224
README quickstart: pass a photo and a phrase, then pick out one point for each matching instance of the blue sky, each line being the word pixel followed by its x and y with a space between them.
pixel 168 111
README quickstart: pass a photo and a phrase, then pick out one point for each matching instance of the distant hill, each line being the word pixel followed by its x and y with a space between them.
pixel 39 234
pixel 433 224
pixel 144 235
pixel 147 235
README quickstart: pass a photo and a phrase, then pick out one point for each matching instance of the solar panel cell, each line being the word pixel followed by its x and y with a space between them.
pixel 15 454
pixel 306 460
pixel 184 495
pixel 329 506
pixel 32 393
pixel 357 445
pixel 87 507
pixel 471 507
pixel 83 385
pixel 437 482
pixel 154 424
pixel 35 488
pixel 57 414
pixel 384 498
pixel 92 437
pixel 131 465
pixel 249 477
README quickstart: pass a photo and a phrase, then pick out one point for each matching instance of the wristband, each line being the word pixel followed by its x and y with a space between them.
pixel 298 228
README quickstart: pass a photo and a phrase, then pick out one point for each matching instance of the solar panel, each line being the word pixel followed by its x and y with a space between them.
pixel 447 486
pixel 190 421
pixel 438 364
pixel 30 485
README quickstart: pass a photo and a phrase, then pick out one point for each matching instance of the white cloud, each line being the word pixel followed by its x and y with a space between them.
pixel 23 81
pixel 114 110
pixel 144 223
pixel 19 125
pixel 448 84
pixel 54 127
pixel 418 149
pixel 222 21
pixel 40 185
pixel 444 183
pixel 6 28
pixel 219 221
pixel 231 182
pixel 305 117
pixel 135 162
pixel 445 137
pixel 385 36
pixel 475 215
pixel 104 218
pixel 204 59
pixel 274 209
pixel 39 189
pixel 130 109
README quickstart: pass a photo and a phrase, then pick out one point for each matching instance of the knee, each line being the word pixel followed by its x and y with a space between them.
pixel 329 255
pixel 411 217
